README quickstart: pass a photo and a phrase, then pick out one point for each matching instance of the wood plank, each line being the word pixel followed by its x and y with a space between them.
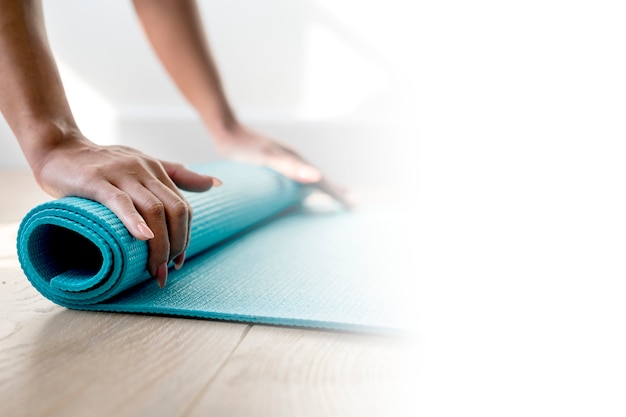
pixel 298 372
pixel 58 362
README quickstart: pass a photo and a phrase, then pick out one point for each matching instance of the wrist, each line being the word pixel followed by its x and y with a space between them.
pixel 222 127
pixel 40 139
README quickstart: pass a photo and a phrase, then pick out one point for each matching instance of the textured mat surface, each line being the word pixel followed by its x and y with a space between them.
pixel 250 258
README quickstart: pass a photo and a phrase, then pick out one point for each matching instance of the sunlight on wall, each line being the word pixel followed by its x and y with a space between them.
pixel 385 36
pixel 337 79
pixel 96 117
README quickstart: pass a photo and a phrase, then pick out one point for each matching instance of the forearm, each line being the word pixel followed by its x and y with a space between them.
pixel 32 98
pixel 175 30
pixel 142 191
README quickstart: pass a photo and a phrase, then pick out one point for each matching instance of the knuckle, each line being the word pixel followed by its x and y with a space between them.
pixel 125 149
pixel 155 208
pixel 134 164
pixel 179 208
pixel 117 197
pixel 151 162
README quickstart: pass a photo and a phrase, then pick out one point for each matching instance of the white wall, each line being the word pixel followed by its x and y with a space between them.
pixel 320 75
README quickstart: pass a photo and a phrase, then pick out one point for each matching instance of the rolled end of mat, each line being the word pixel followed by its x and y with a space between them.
pixel 77 253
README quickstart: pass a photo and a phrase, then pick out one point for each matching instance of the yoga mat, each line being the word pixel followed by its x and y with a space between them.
pixel 254 256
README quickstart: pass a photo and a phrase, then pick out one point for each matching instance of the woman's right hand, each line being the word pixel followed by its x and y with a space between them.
pixel 142 191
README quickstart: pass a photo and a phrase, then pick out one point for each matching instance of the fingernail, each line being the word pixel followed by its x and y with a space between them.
pixel 161 275
pixel 145 230
pixel 217 182
pixel 309 174
pixel 179 261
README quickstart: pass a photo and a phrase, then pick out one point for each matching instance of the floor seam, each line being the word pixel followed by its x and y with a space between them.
pixel 207 385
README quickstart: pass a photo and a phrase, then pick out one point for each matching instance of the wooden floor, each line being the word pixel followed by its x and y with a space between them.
pixel 58 362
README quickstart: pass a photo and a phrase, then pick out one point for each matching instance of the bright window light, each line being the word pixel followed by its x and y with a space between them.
pixel 337 78
pixel 96 117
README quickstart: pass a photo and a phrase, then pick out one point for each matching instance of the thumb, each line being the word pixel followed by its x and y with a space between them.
pixel 189 180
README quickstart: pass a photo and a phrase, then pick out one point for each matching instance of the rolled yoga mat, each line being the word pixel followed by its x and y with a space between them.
pixel 250 258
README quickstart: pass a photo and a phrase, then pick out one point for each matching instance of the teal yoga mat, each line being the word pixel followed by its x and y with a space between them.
pixel 254 256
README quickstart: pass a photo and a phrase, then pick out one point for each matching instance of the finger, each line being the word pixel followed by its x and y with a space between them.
pixel 142 227
pixel 175 228
pixel 307 174
pixel 335 192
pixel 121 204
pixel 152 210
pixel 189 180
pixel 292 168
pixel 177 216
pixel 300 169
pixel 160 171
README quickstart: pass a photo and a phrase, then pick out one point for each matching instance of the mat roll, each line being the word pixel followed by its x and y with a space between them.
pixel 76 252
pixel 253 257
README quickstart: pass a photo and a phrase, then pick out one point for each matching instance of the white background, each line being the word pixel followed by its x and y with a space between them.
pixel 331 78
pixel 522 289
pixel 521 128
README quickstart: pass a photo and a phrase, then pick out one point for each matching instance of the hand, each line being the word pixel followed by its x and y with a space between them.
pixel 245 145
pixel 142 191
pixel 248 146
